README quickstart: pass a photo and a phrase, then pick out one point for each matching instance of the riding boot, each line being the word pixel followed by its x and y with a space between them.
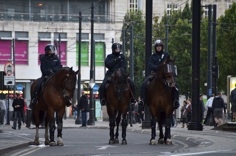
pixel 132 87
pixel 68 101
pixel 176 98
pixel 101 95
pixel 34 99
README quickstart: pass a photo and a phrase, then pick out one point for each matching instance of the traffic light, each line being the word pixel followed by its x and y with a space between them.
pixel 215 71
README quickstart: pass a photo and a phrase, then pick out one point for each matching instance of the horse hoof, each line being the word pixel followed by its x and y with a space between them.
pixel 46 142
pixel 168 142
pixel 124 142
pixel 161 141
pixel 34 143
pixel 59 141
pixel 53 143
pixel 116 141
pixel 153 142
pixel 111 142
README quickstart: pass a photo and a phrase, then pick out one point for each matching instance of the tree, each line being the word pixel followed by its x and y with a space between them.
pixel 135 19
pixel 226 49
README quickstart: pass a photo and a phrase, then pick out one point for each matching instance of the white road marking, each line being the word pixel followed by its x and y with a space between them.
pixel 104 147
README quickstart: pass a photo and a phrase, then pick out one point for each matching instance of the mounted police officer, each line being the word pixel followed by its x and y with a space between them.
pixel 156 60
pixel 113 62
pixel 50 63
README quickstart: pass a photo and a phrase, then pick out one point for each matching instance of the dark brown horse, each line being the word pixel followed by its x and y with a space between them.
pixel 160 101
pixel 52 99
pixel 118 95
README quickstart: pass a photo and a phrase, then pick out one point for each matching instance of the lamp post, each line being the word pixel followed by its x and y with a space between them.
pixel 78 120
pixel 91 120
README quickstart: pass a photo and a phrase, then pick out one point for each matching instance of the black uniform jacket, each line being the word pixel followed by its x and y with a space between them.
pixel 155 60
pixel 114 62
pixel 49 64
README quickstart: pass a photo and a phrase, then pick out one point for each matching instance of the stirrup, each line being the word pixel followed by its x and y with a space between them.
pixel 103 102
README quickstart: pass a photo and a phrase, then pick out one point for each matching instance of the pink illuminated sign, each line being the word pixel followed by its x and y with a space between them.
pixel 21 52
pixel 5 51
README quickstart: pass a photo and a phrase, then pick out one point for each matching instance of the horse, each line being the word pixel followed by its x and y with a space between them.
pixel 118 94
pixel 55 92
pixel 160 101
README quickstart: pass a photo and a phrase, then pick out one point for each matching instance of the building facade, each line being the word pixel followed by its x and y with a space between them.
pixel 26 26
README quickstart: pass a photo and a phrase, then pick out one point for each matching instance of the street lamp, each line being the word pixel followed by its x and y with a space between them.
pixel 91 120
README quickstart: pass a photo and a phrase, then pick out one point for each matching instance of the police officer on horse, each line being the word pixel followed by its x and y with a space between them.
pixel 113 62
pixel 156 60
pixel 50 64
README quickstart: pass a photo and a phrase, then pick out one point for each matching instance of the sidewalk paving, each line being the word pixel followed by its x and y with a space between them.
pixel 9 140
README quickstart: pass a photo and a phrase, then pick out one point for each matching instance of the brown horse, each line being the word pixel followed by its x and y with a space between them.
pixel 160 101
pixel 52 99
pixel 118 95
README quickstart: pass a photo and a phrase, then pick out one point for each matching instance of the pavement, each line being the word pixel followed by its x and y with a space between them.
pixel 9 140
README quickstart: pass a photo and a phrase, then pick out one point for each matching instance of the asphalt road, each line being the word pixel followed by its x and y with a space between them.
pixel 94 141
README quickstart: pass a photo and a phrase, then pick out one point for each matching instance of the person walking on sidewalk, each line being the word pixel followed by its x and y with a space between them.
pixel 184 114
pixel 3 113
pixel 218 107
pixel 209 110
pixel 18 105
pixel 83 107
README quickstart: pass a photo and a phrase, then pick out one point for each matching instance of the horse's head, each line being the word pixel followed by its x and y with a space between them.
pixel 168 71
pixel 119 80
pixel 65 78
pixel 119 76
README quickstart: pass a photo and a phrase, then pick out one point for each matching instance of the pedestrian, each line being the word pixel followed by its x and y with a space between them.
pixel 201 107
pixel 218 107
pixel 18 105
pixel 50 64
pixel 136 113
pixel 8 101
pixel 114 61
pixel 3 112
pixel 209 111
pixel 233 103
pixel 141 109
pixel 156 60
pixel 189 110
pixel 183 111
pixel 83 107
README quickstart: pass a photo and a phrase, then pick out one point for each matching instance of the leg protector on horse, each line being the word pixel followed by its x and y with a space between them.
pixel 52 129
pixel 124 126
pixel 59 129
pixel 153 128
pixel 175 94
pixel 112 126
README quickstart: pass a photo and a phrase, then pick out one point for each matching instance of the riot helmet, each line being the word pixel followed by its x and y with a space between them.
pixel 116 47
pixel 158 43
pixel 49 48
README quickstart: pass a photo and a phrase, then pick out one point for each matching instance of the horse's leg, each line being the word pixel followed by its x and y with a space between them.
pixel 47 141
pixel 153 132
pixel 117 129
pixel 52 128
pixel 36 139
pixel 167 138
pixel 59 127
pixel 161 135
pixel 35 117
pixel 112 126
pixel 124 127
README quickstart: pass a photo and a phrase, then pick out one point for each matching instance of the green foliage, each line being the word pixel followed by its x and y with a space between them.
pixel 226 49
pixel 136 20
pixel 178 26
